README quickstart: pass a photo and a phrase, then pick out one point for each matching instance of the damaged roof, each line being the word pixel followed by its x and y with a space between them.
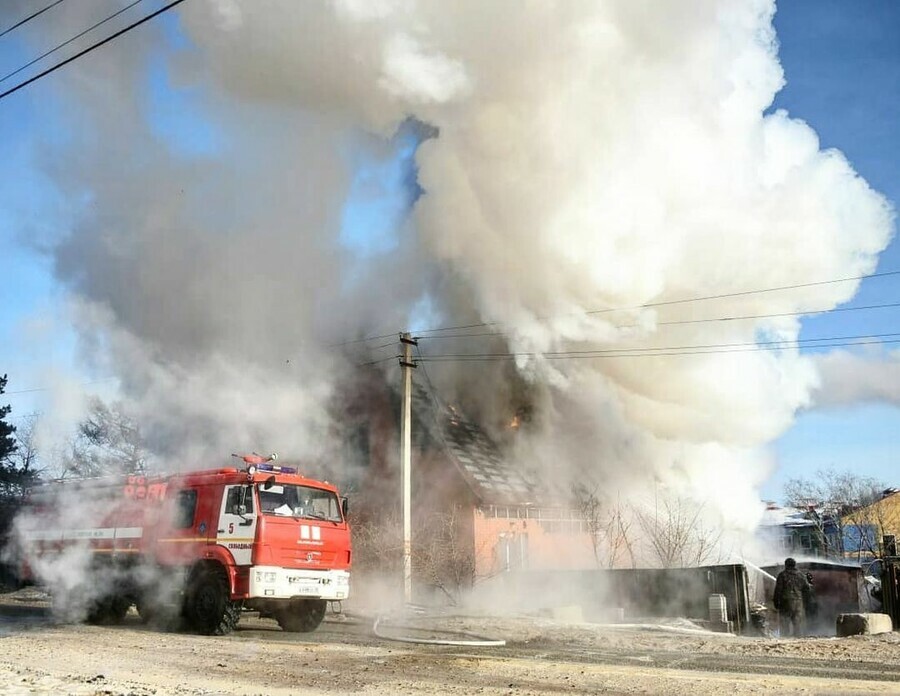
pixel 490 476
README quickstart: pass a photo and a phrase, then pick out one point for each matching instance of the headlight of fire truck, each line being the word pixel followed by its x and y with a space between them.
pixel 265 576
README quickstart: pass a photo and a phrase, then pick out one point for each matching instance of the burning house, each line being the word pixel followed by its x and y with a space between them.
pixel 476 514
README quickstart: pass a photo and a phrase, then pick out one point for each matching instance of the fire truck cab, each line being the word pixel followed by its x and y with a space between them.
pixel 200 545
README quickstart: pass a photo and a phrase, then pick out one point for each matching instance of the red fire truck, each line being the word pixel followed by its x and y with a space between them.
pixel 200 545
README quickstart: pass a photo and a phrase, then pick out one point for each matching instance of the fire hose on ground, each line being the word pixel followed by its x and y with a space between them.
pixel 469 640
pixel 460 639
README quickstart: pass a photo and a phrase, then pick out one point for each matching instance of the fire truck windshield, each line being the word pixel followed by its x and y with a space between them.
pixel 290 500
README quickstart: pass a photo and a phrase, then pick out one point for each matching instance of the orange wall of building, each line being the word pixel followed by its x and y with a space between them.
pixel 545 550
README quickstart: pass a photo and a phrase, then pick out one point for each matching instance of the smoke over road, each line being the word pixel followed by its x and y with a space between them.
pixel 585 156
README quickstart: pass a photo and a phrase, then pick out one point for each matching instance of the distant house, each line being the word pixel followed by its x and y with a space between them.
pixel 805 532
pixel 865 527
pixel 853 533
pixel 476 514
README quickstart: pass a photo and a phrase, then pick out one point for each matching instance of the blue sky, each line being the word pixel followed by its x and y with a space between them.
pixel 842 65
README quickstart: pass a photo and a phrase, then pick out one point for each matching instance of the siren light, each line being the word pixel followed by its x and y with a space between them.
pixel 272 468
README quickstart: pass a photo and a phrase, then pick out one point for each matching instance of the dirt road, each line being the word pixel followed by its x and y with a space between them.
pixel 343 657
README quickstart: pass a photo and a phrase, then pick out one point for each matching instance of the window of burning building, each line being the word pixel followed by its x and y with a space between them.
pixel 552 520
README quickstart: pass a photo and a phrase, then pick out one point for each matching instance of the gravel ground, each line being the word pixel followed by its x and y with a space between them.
pixel 38 656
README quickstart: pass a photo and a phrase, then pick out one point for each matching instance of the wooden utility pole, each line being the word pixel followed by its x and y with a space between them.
pixel 406 368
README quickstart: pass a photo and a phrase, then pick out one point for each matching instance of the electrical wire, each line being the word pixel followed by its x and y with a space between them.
pixel 90 48
pixel 719 296
pixel 66 43
pixel 636 353
pixel 383 345
pixel 25 416
pixel 752 292
pixel 460 327
pixel 351 341
pixel 886 305
pixel 29 18
pixel 40 389
pixel 707 320
pixel 792 342
pixel 376 362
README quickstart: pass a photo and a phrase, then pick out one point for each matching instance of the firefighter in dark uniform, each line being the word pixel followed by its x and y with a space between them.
pixel 792 594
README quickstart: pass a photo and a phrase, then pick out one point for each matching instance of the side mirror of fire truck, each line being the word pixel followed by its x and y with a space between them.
pixel 240 508
pixel 345 508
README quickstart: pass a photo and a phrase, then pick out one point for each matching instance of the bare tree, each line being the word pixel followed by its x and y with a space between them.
pixel 109 441
pixel 592 512
pixel 19 471
pixel 838 503
pixel 444 555
pixel 377 543
pixel 676 534
pixel 607 524
pixel 618 536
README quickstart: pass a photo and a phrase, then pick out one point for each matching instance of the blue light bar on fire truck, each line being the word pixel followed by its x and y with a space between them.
pixel 253 468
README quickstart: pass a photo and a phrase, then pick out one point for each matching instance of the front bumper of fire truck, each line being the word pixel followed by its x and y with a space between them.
pixel 273 582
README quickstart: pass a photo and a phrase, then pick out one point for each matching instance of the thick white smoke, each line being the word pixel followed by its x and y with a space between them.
pixel 589 156
pixel 849 378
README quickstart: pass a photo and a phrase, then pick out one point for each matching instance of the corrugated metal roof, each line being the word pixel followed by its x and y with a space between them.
pixel 786 517
pixel 491 476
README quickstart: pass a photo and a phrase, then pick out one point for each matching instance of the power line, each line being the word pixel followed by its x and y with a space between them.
pixel 750 292
pixel 779 314
pixel 66 43
pixel 719 296
pixel 782 343
pixel 91 48
pixel 29 18
pixel 40 389
pixel 643 353
pixel 707 320
pixel 376 362
pixel 363 340
pixel 476 325
pixel 383 345
pixel 25 416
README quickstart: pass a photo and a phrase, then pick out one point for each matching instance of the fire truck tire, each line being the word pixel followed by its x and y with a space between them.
pixel 302 615
pixel 209 608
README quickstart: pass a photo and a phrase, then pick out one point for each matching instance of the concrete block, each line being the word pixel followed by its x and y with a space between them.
pixel 863 624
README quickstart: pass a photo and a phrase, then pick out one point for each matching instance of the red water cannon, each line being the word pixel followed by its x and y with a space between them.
pixel 256 459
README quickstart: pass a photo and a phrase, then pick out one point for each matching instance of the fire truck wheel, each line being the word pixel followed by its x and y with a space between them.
pixel 302 615
pixel 209 609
